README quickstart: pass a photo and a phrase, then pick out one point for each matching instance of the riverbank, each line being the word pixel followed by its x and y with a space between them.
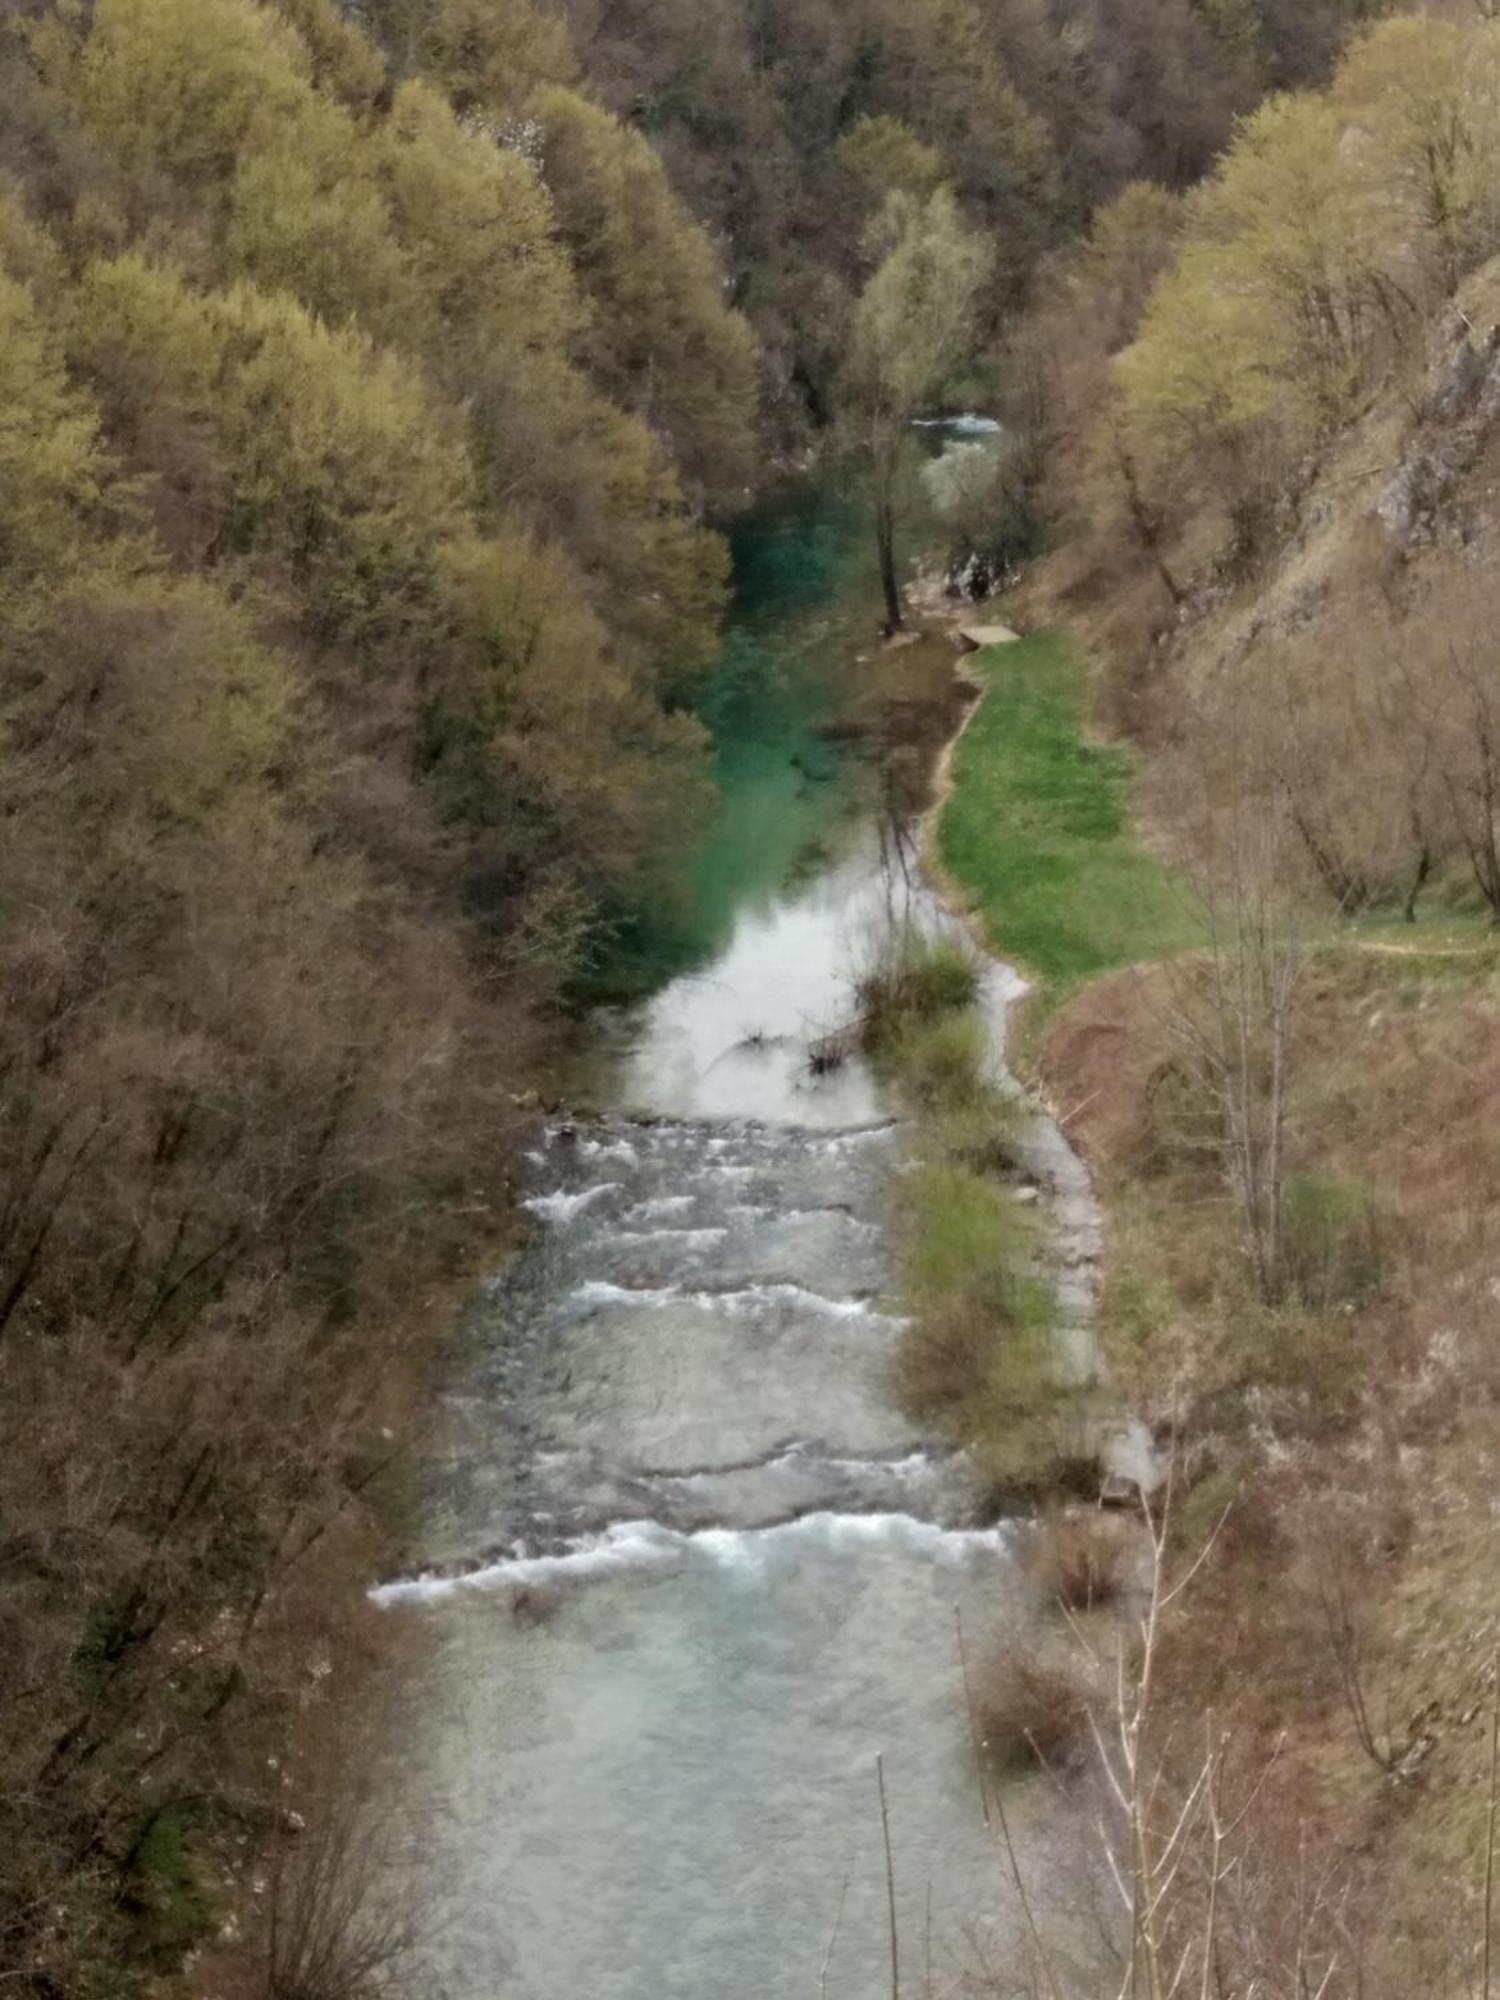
pixel 1037 831
pixel 1340 1429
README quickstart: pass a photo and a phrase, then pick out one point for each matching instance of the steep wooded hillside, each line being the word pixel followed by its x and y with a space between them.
pixel 782 124
pixel 352 578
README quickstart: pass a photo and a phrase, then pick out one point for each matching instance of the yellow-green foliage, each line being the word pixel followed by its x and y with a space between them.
pixel 195 713
pixel 51 467
pixel 1424 99
pixel 1133 237
pixel 323 771
pixel 1329 222
pixel 1265 322
pixel 344 62
pixel 405 227
pixel 182 87
pixel 476 222
pixel 484 55
pixel 359 333
pixel 915 316
pixel 342 461
pixel 661 339
pixel 882 154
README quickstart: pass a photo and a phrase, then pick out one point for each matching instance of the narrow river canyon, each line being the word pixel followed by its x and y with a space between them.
pixel 691 1568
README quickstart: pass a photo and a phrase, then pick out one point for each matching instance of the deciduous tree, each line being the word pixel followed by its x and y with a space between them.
pixel 914 325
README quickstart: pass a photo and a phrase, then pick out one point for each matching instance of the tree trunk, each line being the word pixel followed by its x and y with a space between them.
pixel 1418 884
pixel 885 541
pixel 1146 523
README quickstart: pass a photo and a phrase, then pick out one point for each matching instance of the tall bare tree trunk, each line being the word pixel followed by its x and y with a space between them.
pixel 885 542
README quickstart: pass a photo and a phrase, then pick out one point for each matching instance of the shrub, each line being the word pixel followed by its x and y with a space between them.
pixel 984 1134
pixel 1332 1239
pixel 916 978
pixel 1081 1561
pixel 1036 1441
pixel 941 1065
pixel 977 1349
pixel 163 1888
pixel 1031 1711
pixel 1181 1122
pixel 968 1241
pixel 945 1360
pixel 343 1921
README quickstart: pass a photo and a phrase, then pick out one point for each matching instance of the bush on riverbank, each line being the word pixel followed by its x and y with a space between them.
pixel 968 1270
pixel 916 978
pixel 1031 1711
pixel 1082 1560
pixel 939 1066
pixel 979 1354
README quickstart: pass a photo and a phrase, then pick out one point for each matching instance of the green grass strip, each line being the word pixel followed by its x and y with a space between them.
pixel 1037 831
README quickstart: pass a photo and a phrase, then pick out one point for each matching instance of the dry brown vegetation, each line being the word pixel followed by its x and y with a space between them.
pixel 1031 1710
pixel 1349 1606
pixel 1083 1559
pixel 1281 532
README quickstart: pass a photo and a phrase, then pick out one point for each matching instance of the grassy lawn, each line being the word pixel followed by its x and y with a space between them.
pixel 1037 831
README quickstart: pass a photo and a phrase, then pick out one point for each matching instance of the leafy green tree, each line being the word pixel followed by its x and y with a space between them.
pixel 1425 98
pixel 914 325
pixel 882 155
pixel 53 473
pixel 184 87
pixel 492 281
pixel 661 340
pixel 488 56
pixel 1259 341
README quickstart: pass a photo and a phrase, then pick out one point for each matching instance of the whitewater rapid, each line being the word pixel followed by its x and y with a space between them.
pixel 689 1566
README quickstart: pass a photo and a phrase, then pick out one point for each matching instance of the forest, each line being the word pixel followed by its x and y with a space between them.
pixel 378 383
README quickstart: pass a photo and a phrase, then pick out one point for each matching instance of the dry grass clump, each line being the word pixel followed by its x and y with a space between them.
pixel 1335 1239
pixel 1082 1560
pixel 1031 1712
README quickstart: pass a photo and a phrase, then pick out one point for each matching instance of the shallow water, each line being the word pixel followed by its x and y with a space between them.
pixel 691 1570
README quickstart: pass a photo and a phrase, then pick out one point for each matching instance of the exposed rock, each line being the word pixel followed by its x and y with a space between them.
pixel 973 637
pixel 1465 404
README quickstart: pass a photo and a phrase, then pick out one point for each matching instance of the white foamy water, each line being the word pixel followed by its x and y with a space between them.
pixel 609 1149
pixel 563 1207
pixel 598 1293
pixel 636 1546
pixel 660 1205
pixel 671 1239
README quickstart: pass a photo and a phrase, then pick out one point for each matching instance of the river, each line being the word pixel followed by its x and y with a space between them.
pixel 690 1570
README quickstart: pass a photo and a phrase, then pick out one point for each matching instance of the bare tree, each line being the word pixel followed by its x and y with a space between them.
pixel 345 1918
pixel 1233 1019
pixel 1219 1890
